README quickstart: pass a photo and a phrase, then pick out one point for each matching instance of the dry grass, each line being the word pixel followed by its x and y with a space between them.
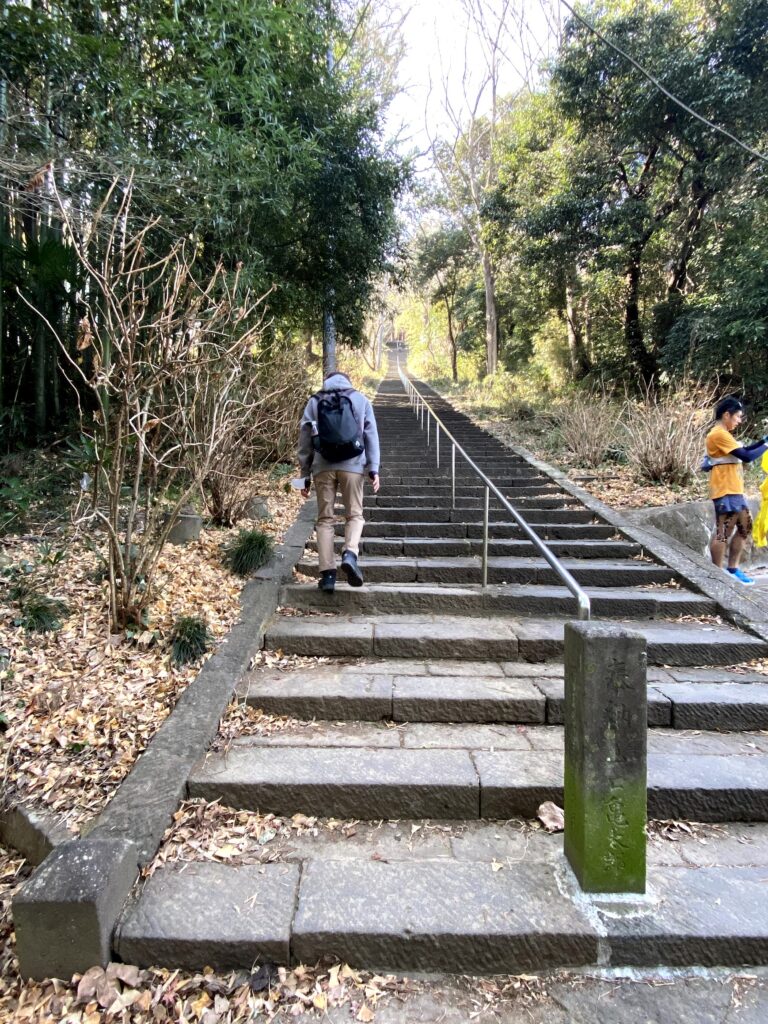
pixel 588 426
pixel 664 434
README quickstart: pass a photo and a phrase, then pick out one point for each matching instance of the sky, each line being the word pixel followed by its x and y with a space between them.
pixel 441 43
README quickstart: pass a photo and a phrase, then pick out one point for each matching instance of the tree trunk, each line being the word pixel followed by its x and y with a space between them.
pixel 679 276
pixel 329 344
pixel 587 321
pixel 576 348
pixel 3 240
pixel 3 233
pixel 452 338
pixel 633 330
pixel 491 318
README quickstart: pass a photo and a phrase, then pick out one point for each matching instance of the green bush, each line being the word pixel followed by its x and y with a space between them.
pixel 190 639
pixel 16 496
pixel 249 551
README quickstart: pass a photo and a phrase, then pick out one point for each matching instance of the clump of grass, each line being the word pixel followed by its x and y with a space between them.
pixel 38 613
pixel 248 551
pixel 190 639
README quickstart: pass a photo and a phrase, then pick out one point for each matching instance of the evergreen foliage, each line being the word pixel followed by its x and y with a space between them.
pixel 190 639
pixel 628 238
pixel 224 122
pixel 38 613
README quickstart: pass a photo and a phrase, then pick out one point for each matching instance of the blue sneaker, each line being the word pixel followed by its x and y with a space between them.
pixel 741 576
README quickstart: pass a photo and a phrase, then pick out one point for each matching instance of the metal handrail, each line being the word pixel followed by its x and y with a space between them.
pixel 422 407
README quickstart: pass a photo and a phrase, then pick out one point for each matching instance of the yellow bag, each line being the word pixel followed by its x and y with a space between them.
pixel 760 525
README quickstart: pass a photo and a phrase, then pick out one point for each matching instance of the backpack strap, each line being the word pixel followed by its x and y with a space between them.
pixel 709 462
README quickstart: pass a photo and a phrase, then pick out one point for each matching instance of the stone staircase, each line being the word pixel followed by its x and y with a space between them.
pixel 444 704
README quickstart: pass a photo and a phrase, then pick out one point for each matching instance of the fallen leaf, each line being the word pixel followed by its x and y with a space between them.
pixel 551 816
pixel 366 1014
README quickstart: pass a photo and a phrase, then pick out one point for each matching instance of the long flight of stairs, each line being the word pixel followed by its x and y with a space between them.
pixel 443 702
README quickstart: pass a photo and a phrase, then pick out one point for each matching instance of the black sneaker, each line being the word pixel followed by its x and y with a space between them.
pixel 327 581
pixel 351 569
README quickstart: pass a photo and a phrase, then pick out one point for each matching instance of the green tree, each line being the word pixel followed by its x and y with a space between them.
pixel 441 262
pixel 653 168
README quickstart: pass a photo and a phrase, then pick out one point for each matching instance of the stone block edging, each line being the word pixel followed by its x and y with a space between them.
pixel 130 828
pixel 31 832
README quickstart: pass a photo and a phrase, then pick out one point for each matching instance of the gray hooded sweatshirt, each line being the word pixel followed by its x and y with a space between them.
pixel 312 462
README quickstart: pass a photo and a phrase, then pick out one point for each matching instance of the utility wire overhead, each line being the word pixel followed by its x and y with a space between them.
pixel 652 78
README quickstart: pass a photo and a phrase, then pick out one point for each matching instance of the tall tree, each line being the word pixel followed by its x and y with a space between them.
pixel 441 259
pixel 655 167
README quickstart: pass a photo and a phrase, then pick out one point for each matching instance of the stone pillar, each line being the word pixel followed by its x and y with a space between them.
pixel 606 712
pixel 186 527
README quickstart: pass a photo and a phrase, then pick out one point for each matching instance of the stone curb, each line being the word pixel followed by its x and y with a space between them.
pixel 130 828
pixel 33 834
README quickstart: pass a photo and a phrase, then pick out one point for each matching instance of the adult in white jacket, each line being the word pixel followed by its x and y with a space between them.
pixel 346 477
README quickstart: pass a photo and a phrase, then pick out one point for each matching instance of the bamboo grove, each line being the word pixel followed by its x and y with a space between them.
pixel 244 128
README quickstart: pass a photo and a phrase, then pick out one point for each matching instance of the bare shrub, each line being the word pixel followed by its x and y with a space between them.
pixel 664 433
pixel 588 426
pixel 167 367
pixel 269 399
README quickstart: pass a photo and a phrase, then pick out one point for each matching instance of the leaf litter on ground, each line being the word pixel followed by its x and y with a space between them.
pixel 81 704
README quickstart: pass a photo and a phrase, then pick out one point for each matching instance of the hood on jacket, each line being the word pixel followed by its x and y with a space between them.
pixel 337 382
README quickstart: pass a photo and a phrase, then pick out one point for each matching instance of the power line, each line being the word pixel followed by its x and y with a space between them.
pixel 662 88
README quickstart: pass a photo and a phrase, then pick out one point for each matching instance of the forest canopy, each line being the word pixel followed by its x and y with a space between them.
pixel 589 227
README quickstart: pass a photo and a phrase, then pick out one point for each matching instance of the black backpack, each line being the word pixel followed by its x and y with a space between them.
pixel 338 435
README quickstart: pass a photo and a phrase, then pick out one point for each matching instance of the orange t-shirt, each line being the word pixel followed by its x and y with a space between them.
pixel 727 479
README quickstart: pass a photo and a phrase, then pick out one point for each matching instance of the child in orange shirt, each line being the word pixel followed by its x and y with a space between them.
pixel 733 522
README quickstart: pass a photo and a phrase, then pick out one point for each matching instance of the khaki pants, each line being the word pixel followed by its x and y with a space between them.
pixel 350 485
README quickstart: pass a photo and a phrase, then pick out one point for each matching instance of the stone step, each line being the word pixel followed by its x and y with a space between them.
pixel 380 691
pixel 374 783
pixel 500 531
pixel 440 547
pixel 498 639
pixel 416 448
pixel 726 706
pixel 416 493
pixel 464 490
pixel 540 497
pixel 531 599
pixel 466 917
pixel 595 572
pixel 335 695
pixel 439 477
pixel 552 512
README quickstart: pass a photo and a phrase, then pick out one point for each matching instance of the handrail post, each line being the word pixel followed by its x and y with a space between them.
pixel 486 517
pixel 437 437
pixel 428 421
pixel 453 477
